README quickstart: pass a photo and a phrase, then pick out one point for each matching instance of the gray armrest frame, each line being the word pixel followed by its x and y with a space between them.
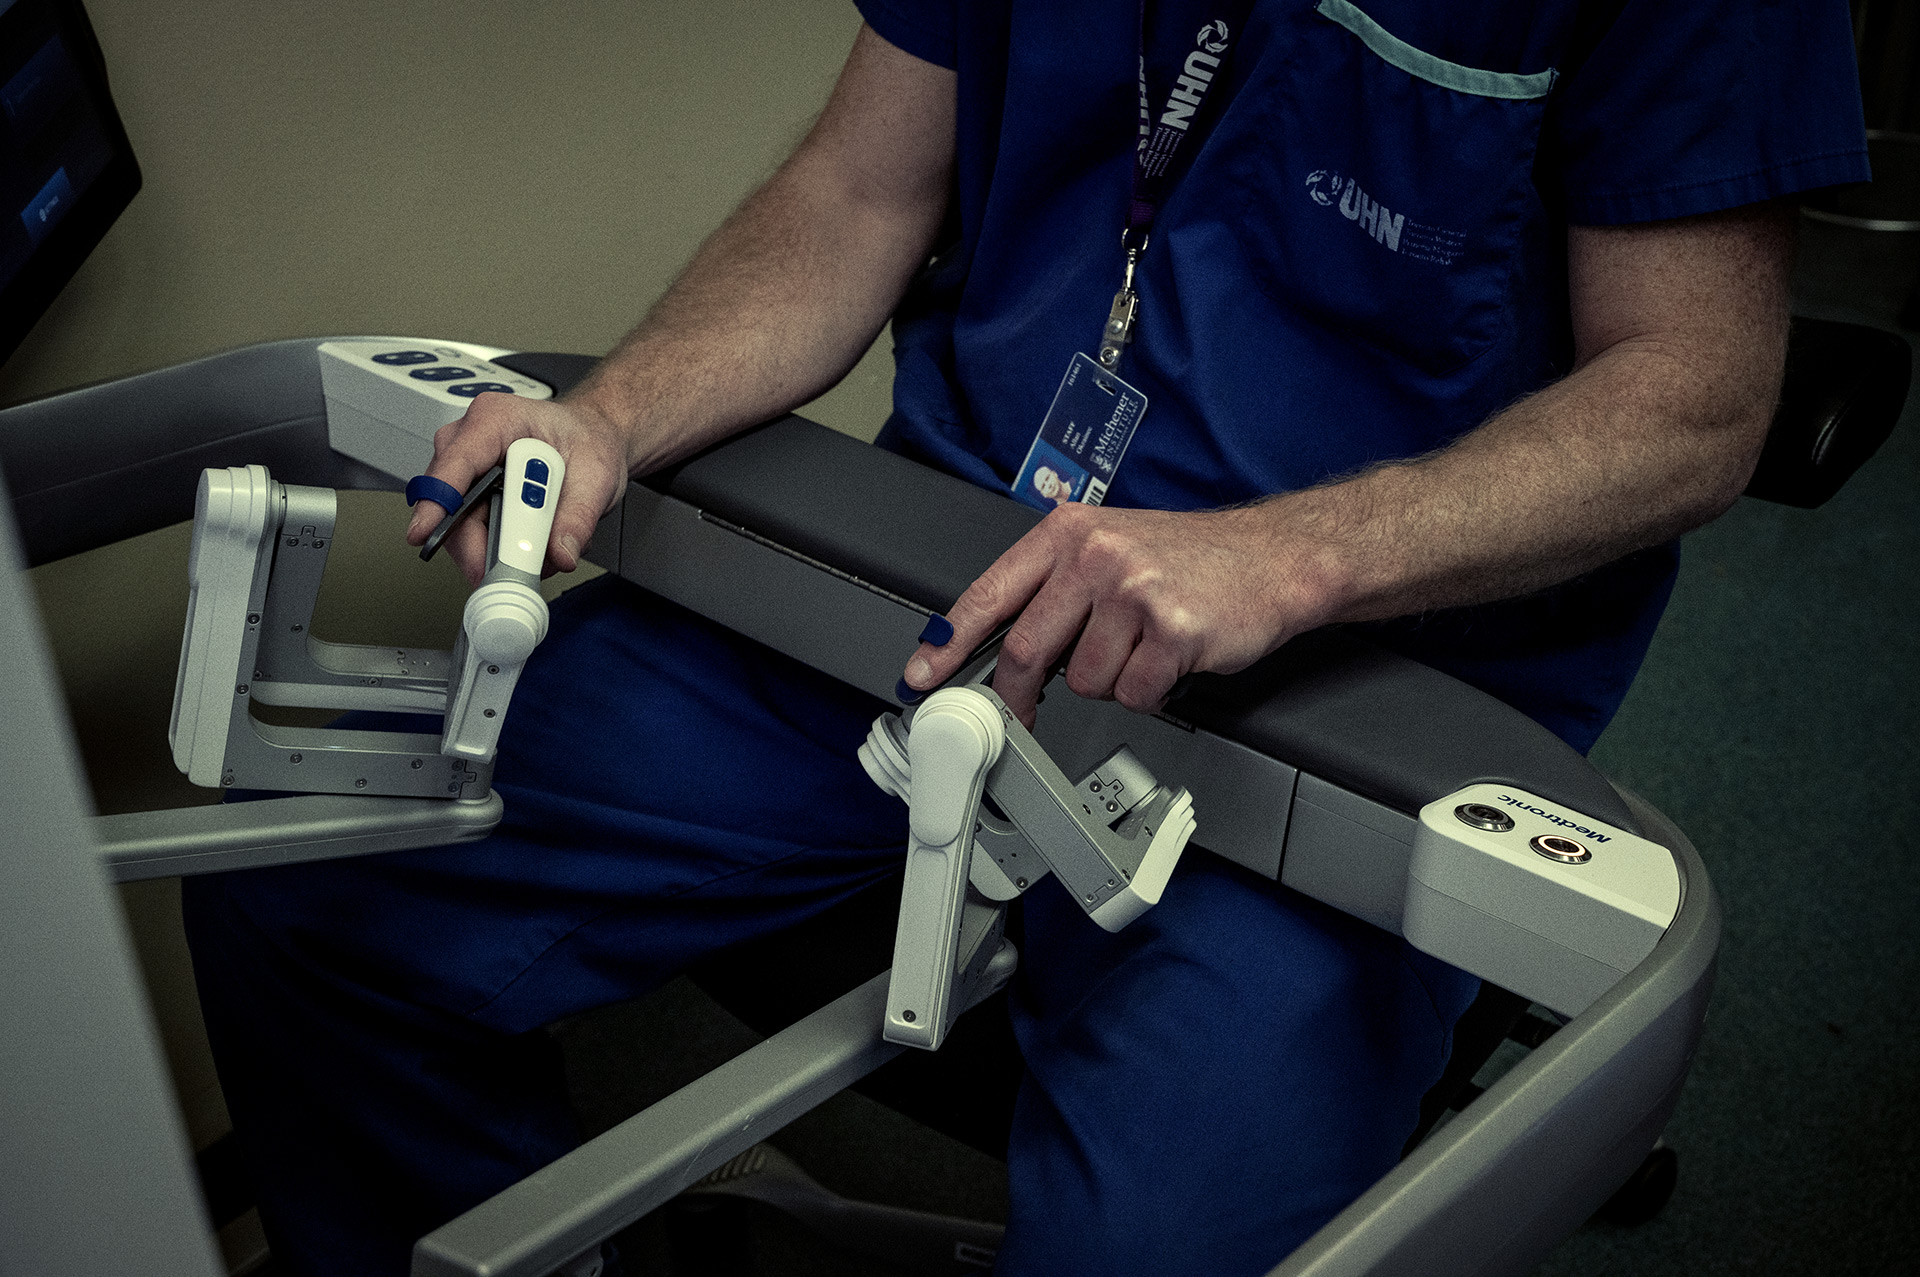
pixel 1314 763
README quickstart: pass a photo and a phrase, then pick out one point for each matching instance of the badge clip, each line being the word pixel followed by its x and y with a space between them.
pixel 1126 307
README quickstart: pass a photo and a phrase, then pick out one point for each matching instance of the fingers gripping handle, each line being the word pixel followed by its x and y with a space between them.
pixel 505 618
pixel 527 484
pixel 957 737
pixel 530 493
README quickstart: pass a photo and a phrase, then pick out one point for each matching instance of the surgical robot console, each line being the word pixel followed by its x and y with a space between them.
pixel 1518 887
pixel 1365 780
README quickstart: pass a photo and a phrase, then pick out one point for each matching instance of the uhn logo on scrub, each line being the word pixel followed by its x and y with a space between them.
pixel 1357 206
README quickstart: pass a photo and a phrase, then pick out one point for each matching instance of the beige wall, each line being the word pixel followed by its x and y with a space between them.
pixel 528 175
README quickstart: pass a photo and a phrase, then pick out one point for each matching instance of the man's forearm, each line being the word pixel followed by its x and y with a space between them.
pixel 1654 434
pixel 785 297
pixel 1631 450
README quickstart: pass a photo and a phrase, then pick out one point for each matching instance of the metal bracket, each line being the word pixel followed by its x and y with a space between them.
pixel 1112 837
pixel 259 552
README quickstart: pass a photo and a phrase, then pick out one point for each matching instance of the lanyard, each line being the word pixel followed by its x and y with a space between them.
pixel 1162 138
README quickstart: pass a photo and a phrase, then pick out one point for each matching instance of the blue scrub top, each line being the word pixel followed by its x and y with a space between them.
pixel 1364 255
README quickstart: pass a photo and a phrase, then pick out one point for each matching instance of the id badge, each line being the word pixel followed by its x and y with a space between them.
pixel 1080 444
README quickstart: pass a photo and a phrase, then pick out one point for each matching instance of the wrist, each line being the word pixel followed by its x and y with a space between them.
pixel 1318 573
pixel 610 417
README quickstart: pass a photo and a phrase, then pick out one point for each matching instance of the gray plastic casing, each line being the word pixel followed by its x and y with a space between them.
pixel 1312 768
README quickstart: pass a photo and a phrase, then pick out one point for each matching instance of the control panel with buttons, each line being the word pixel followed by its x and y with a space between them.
pixel 1542 899
pixel 387 396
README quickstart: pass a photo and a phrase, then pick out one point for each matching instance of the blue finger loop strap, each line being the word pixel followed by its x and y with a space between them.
pixel 424 487
pixel 907 695
pixel 939 631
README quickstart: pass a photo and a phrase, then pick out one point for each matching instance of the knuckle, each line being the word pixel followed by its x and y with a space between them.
pixel 1103 549
pixel 489 407
pixel 1071 515
pixel 983 598
pixel 1144 684
pixel 1085 686
pixel 1140 589
pixel 1179 627
pixel 1021 649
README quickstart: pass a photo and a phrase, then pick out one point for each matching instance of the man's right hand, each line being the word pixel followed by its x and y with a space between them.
pixel 775 308
pixel 593 446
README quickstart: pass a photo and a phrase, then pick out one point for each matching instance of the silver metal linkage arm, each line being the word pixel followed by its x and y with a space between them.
pixel 1112 838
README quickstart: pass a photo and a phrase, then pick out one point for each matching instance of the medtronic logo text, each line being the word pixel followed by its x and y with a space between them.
pixel 1559 820
pixel 1392 231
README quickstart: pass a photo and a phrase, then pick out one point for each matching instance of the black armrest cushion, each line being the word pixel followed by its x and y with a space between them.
pixel 862 509
pixel 1330 702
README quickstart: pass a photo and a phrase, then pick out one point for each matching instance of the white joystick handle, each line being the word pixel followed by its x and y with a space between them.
pixel 529 494
pixel 504 622
pixel 956 739
pixel 505 618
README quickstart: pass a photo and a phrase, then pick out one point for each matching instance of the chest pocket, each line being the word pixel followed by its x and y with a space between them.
pixel 1386 195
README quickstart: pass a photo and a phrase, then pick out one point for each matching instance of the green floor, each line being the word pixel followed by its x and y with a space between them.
pixel 1778 722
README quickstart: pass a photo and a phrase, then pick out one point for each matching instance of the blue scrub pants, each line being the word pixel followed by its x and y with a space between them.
pixel 1203 1090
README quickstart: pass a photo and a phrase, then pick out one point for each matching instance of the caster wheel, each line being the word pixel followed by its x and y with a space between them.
pixel 1646 1191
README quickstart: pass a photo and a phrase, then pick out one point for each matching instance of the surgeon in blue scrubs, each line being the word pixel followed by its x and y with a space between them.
pixel 1449 319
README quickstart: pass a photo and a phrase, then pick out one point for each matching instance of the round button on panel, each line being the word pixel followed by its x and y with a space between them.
pixel 472 388
pixel 441 374
pixel 399 358
pixel 1481 816
pixel 1563 849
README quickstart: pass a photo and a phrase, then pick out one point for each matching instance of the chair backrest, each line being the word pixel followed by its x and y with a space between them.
pixel 1844 388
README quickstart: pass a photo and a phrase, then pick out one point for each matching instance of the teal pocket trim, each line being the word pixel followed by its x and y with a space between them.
pixel 1424 66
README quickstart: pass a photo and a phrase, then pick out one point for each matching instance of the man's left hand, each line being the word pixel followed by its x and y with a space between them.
pixel 1148 595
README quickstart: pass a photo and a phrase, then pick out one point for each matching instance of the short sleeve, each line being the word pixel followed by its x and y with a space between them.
pixel 924 28
pixel 1690 108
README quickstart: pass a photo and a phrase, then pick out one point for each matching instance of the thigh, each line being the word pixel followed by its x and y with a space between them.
pixel 671 788
pixel 1209 1086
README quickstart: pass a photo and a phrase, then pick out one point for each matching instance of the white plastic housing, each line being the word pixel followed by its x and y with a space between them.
pixel 1142 891
pixel 227 570
pixel 957 737
pixel 504 621
pixel 1561 934
pixel 384 415
pixel 528 496
pixel 884 755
